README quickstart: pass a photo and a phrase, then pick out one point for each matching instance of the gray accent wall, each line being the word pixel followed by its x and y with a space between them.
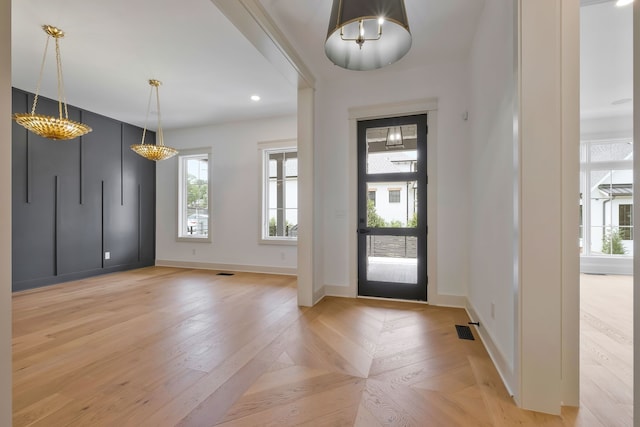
pixel 72 201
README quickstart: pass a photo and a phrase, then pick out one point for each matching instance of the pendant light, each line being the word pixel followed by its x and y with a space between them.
pixel 56 128
pixel 367 34
pixel 394 138
pixel 159 151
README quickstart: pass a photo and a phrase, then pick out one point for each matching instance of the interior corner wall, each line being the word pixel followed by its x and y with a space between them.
pixel 5 213
pixel 74 201
pixel 493 173
pixel 235 194
pixel 446 81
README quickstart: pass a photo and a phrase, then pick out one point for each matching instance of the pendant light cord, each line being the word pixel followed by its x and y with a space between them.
pixel 160 134
pixel 61 95
pixel 146 120
pixel 44 57
pixel 62 99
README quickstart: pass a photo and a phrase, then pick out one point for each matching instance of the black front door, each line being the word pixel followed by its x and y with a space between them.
pixel 392 207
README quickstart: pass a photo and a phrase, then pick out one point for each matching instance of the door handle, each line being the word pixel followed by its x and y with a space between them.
pixel 364 230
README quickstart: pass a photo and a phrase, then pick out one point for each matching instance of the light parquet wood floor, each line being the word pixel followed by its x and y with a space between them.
pixel 177 347
pixel 606 349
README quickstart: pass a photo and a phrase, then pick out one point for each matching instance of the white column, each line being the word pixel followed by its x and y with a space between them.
pixel 5 212
pixel 306 215
pixel 548 191
pixel 570 202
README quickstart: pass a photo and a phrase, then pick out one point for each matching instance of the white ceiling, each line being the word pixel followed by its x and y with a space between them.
pixel 209 70
pixel 207 67
pixel 441 30
pixel 606 60
pixel 111 49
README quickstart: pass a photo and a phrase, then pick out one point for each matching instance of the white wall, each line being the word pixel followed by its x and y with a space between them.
pixel 448 82
pixel 236 206
pixel 5 213
pixel 491 272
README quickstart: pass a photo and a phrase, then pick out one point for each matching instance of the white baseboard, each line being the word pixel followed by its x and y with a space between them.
pixel 318 295
pixel 338 291
pixel 241 268
pixel 505 370
pixel 606 265
pixel 455 301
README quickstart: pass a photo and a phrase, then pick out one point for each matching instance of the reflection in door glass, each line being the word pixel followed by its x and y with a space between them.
pixel 392 259
pixel 392 149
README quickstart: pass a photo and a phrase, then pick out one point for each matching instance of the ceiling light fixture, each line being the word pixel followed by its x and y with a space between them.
pixel 159 151
pixel 367 34
pixel 394 138
pixel 621 3
pixel 56 128
pixel 255 98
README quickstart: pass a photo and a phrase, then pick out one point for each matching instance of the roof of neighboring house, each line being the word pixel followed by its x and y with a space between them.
pixel 390 161
pixel 616 189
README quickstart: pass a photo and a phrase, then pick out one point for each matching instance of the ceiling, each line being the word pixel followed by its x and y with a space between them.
pixel 111 49
pixel 606 60
pixel 209 69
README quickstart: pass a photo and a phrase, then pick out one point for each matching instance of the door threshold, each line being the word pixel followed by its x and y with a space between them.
pixel 393 299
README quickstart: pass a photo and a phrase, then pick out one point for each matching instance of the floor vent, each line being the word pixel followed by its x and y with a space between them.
pixel 225 274
pixel 464 332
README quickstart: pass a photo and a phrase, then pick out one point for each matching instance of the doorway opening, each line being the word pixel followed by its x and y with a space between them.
pixel 606 211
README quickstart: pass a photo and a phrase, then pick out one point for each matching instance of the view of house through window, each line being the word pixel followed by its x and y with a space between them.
pixel 280 217
pixel 397 205
pixel 606 198
pixel 194 196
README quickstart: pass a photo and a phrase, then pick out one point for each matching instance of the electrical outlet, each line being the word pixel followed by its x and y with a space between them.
pixel 107 255
pixel 282 255
pixel 193 251
pixel 493 311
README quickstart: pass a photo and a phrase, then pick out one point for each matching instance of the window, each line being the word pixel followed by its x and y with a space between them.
pixel 606 180
pixel 625 222
pixel 372 196
pixel 194 195
pixel 394 196
pixel 279 222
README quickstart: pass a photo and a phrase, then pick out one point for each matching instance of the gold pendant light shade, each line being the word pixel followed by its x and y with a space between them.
pixel 51 127
pixel 56 128
pixel 154 152
pixel 159 151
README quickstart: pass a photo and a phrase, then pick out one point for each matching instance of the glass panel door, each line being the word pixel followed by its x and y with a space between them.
pixel 392 184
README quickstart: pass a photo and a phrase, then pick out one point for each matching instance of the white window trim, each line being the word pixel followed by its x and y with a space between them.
pixel 263 146
pixel 180 156
pixel 591 263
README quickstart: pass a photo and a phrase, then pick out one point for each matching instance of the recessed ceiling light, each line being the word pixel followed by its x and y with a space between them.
pixel 255 98
pixel 621 3
pixel 621 101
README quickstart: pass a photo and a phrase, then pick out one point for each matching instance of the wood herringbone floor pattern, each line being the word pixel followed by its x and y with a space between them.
pixel 165 347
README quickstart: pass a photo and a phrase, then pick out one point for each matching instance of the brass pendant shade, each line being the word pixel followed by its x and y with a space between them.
pixel 56 128
pixel 159 151
pixel 367 34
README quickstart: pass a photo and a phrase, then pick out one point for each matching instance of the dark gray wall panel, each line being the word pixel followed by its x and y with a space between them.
pixel 73 200
pixel 140 185
pixel 21 223
pixel 79 229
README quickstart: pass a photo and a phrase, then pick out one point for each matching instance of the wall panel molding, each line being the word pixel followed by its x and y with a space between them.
pixel 76 199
